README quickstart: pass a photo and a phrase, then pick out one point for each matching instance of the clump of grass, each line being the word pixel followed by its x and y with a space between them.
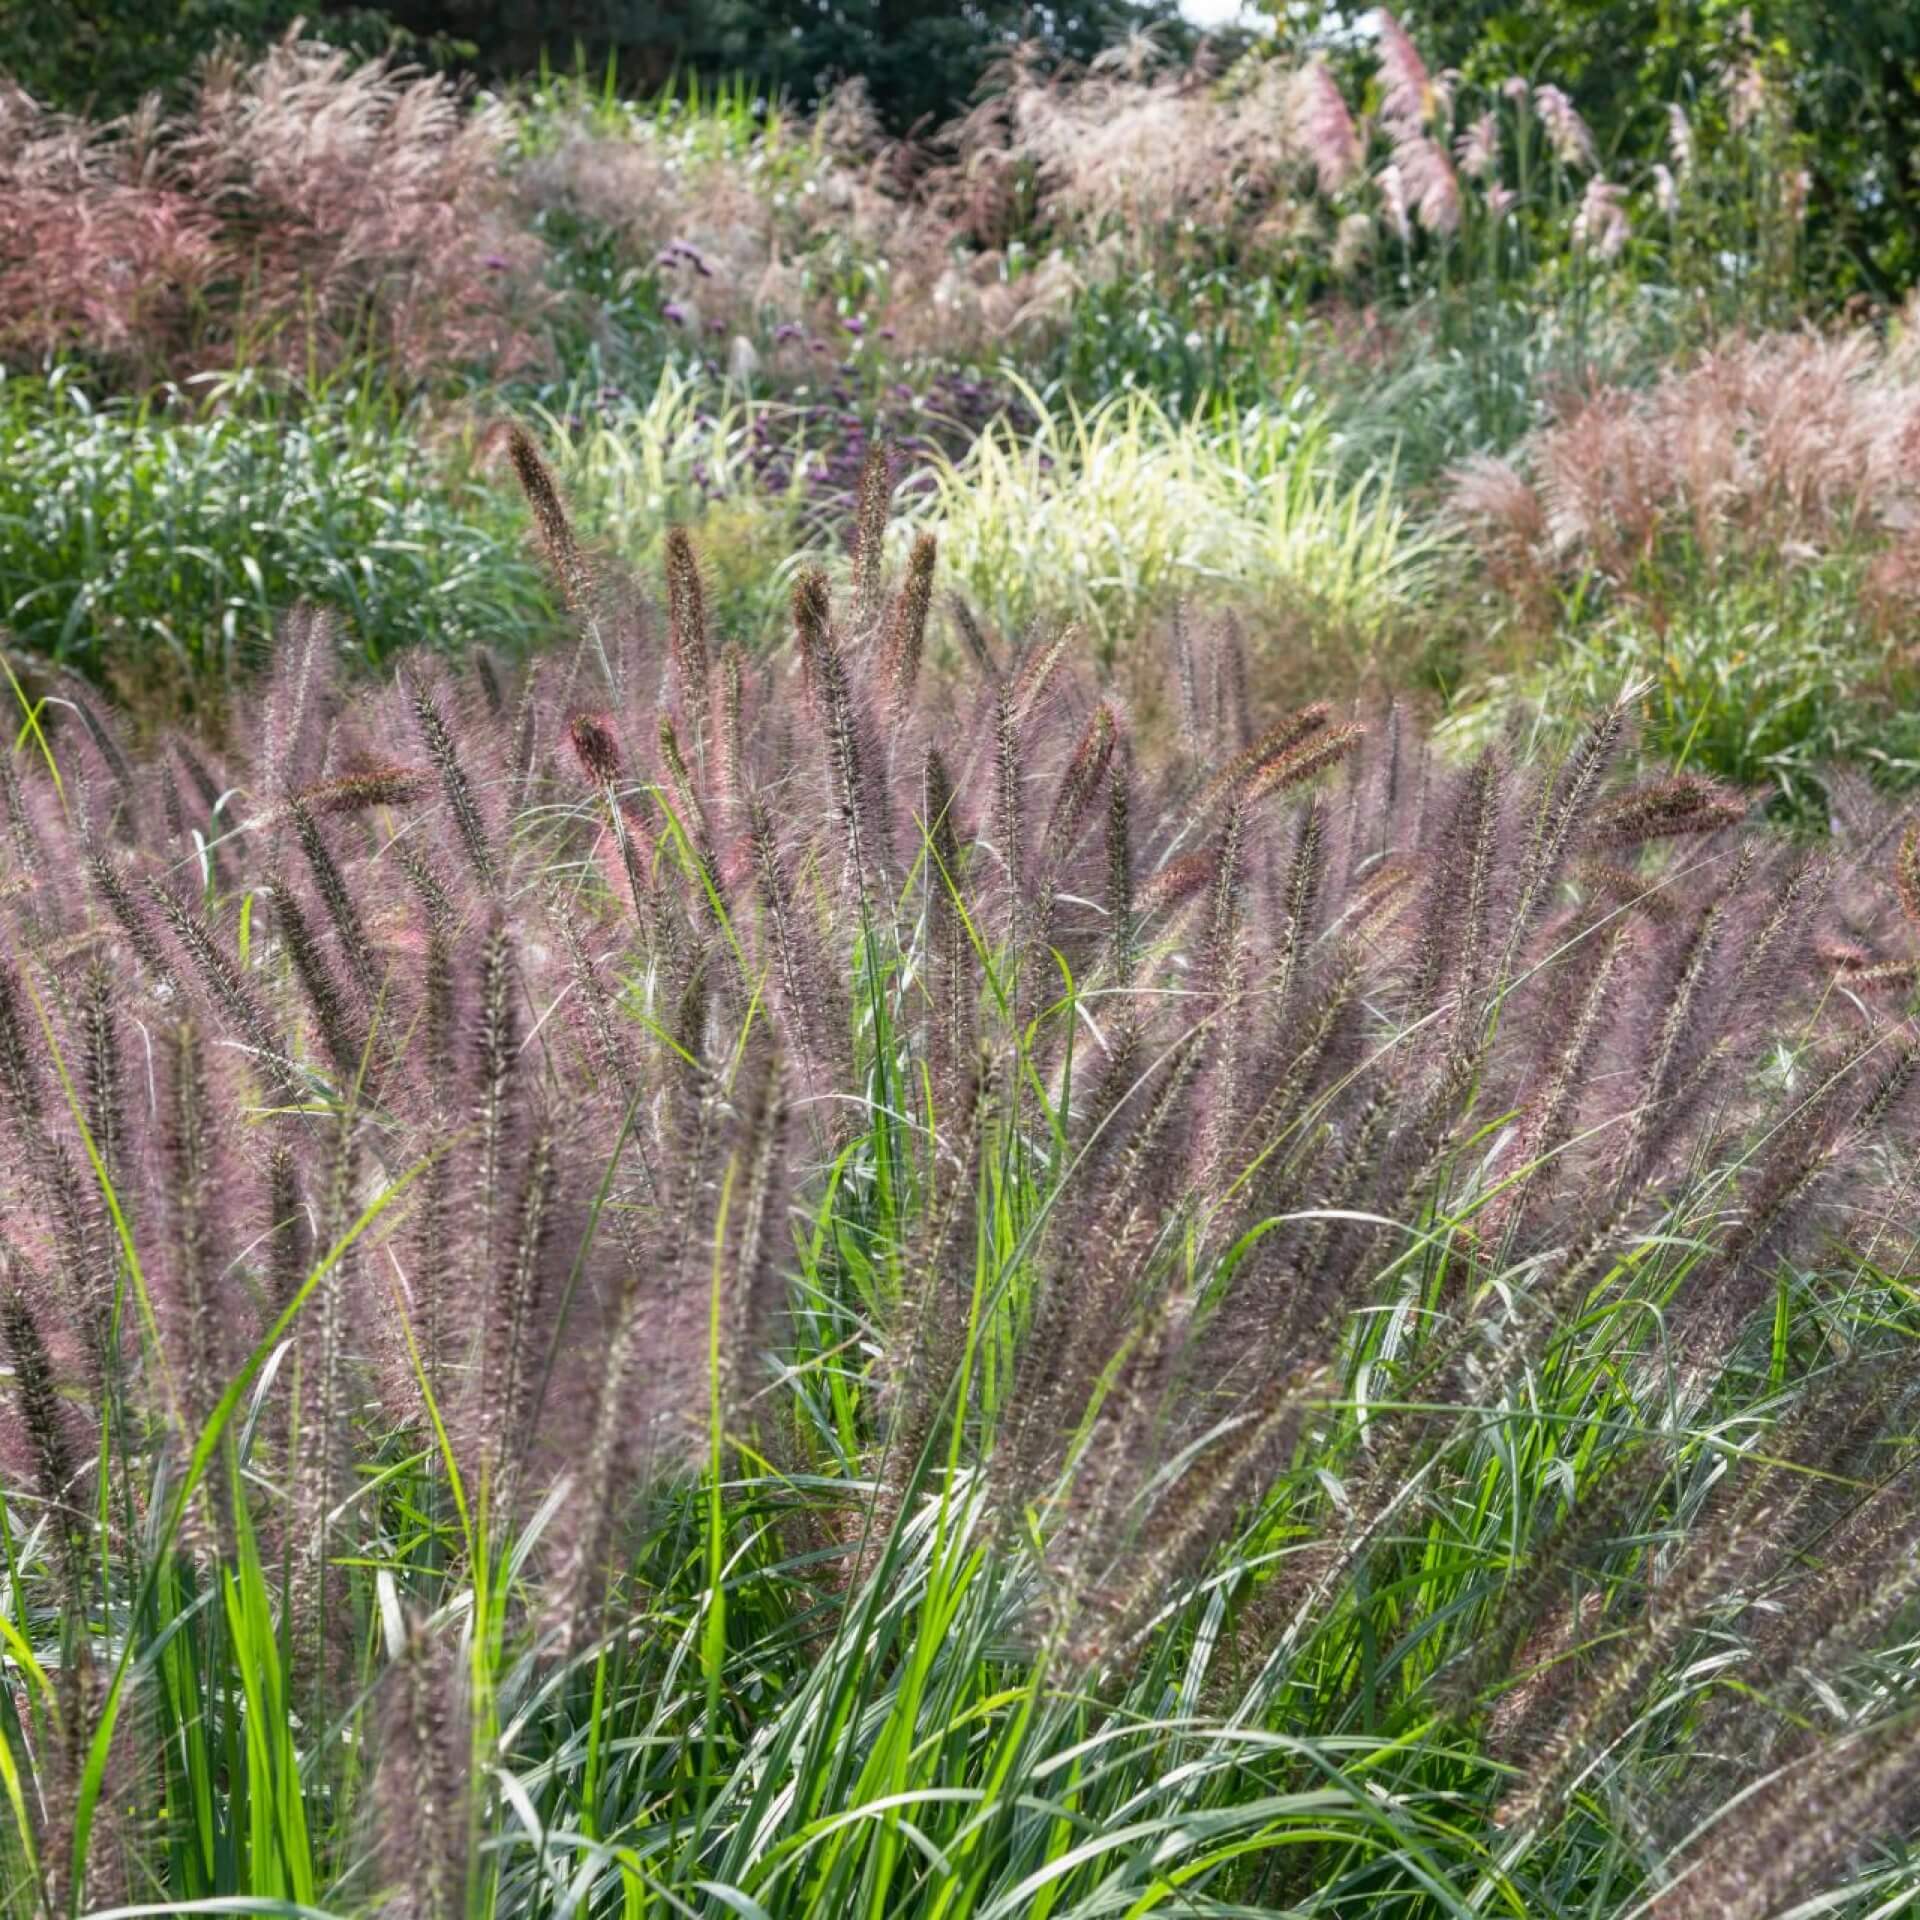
pixel 1106 514
pixel 1774 685
pixel 1784 446
pixel 158 544
pixel 300 208
pixel 816 1286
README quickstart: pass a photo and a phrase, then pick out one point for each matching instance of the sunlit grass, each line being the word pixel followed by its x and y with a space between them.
pixel 1106 513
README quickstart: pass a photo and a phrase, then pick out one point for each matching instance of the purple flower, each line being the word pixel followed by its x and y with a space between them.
pixel 887 333
pixel 854 324
pixel 672 310
pixel 496 263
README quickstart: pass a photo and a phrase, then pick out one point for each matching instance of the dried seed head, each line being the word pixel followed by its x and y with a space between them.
pixel 1295 765
pixel 1685 804
pixel 1119 849
pixel 1080 784
pixel 469 827
pixel 1906 873
pixel 229 992
pixel 421 1789
pixel 840 725
pixel 687 632
pixel 812 618
pixel 100 1066
pixel 1623 887
pixel 596 749
pixel 972 635
pixel 364 789
pixel 328 1001
pixel 870 534
pixel 1272 746
pixel 550 517
pixel 337 899
pixel 1178 881
pixel 37 1394
pixel 906 629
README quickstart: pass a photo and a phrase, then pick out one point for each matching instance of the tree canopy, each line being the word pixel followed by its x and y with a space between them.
pixel 921 59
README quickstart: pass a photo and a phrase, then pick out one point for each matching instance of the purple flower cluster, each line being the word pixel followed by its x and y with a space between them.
pixel 679 253
pixel 817 437
pixel 822 437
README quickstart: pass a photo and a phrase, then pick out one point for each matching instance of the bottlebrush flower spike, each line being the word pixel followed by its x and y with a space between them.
pixel 1906 873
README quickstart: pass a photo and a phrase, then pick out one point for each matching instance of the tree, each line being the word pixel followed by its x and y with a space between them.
pixel 921 59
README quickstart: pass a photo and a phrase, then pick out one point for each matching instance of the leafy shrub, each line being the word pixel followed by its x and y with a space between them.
pixel 710 224
pixel 1322 1300
pixel 158 545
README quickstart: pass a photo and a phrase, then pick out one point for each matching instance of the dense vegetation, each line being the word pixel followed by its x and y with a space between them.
pixel 1014 1020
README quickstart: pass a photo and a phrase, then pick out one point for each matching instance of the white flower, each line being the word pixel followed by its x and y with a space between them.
pixel 1429 183
pixel 1326 128
pixel 1680 139
pixel 1393 195
pixel 1352 243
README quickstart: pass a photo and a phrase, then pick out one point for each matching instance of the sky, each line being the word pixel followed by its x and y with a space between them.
pixel 1212 13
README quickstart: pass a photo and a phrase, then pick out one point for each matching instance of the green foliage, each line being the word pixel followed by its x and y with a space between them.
pixel 921 59
pixel 682 456
pixel 1186 335
pixel 100 56
pixel 1771 682
pixel 1849 76
pixel 1105 514
pixel 159 542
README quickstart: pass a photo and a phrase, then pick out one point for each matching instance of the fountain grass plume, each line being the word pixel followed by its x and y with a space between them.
pixel 881 1232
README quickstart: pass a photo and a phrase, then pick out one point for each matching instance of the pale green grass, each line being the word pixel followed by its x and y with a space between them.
pixel 1106 513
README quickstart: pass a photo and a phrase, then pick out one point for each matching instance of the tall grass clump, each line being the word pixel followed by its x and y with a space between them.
pixel 1107 513
pixel 158 542
pixel 1740 533
pixel 667 1284
pixel 300 208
